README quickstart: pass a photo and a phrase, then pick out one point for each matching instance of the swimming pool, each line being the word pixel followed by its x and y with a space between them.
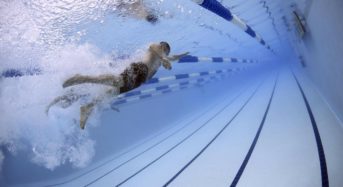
pixel 246 107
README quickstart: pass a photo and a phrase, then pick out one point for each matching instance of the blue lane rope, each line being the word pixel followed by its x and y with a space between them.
pixel 196 59
pixel 12 73
pixel 20 72
pixel 217 8
pixel 163 87
pixel 189 75
pixel 136 95
pixel 159 90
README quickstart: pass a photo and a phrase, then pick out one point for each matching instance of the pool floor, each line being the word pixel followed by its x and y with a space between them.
pixel 277 131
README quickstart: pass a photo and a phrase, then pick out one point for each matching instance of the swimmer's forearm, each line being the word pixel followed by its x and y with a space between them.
pixel 177 57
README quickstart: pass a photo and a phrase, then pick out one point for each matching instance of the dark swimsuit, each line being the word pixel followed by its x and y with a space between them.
pixel 134 76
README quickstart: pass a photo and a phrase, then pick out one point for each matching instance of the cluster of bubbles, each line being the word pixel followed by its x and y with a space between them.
pixel 37 34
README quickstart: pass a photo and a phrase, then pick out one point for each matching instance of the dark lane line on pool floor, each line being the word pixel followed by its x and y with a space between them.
pixel 321 154
pixel 251 149
pixel 163 140
pixel 226 106
pixel 213 139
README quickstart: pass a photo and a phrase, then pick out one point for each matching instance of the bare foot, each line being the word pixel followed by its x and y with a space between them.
pixel 85 111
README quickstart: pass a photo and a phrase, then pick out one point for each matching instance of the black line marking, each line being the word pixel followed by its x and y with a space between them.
pixel 251 149
pixel 106 162
pixel 213 139
pixel 134 147
pixel 149 148
pixel 183 140
pixel 321 154
pixel 190 122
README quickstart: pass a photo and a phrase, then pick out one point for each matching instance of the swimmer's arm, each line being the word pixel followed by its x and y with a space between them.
pixel 177 57
pixel 167 59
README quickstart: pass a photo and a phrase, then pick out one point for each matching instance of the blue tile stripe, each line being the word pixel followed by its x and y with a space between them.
pixel 217 8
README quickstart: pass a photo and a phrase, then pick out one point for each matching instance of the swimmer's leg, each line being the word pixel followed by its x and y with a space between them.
pixel 67 100
pixel 86 110
pixel 109 80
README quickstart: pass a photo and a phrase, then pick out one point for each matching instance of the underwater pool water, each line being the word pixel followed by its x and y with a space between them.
pixel 243 109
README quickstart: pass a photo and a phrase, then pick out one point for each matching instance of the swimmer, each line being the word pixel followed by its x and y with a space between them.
pixel 132 77
pixel 136 8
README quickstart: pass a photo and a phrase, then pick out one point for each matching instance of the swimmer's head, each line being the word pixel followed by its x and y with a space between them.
pixel 152 18
pixel 165 47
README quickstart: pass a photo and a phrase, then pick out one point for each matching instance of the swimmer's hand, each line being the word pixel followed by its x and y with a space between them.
pixel 183 54
pixel 166 64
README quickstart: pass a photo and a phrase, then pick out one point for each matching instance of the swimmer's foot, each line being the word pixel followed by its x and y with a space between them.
pixel 77 79
pixel 85 111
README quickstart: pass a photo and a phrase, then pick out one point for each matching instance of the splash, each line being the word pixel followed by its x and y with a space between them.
pixel 40 34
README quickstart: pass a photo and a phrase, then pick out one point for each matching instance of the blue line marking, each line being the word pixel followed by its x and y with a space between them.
pixel 234 60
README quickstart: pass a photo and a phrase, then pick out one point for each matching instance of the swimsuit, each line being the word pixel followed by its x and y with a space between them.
pixel 134 76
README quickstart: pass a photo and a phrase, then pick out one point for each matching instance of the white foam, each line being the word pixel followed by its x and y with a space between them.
pixel 32 34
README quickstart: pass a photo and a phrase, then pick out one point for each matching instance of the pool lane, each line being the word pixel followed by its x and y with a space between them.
pixel 258 136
